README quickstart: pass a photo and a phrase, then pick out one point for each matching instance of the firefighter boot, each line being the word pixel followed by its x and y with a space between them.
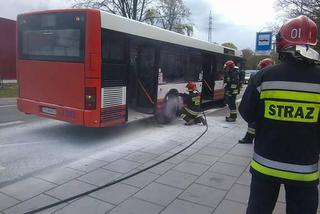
pixel 231 118
pixel 248 139
pixel 200 119
pixel 190 122
pixel 203 121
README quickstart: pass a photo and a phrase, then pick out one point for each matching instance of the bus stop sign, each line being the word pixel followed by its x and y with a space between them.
pixel 264 41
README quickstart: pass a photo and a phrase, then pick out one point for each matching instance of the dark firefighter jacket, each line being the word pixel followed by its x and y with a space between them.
pixel 192 100
pixel 232 81
pixel 284 101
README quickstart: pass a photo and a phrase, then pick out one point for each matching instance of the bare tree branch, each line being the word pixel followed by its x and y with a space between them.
pixel 142 9
pixel 169 14
pixel 126 8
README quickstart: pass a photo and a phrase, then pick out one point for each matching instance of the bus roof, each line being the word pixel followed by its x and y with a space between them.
pixel 125 25
pixel 133 27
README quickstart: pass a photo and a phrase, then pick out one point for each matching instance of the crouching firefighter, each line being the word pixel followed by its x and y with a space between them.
pixel 249 137
pixel 284 101
pixel 232 83
pixel 191 113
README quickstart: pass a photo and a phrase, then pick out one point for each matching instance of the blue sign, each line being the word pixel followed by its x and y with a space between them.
pixel 264 41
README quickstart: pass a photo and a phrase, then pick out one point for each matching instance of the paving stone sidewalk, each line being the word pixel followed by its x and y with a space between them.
pixel 211 177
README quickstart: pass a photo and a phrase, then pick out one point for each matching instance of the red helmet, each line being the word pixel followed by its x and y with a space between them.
pixel 297 31
pixel 229 64
pixel 191 86
pixel 265 63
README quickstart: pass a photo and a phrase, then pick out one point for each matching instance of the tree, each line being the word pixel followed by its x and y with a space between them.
pixel 247 53
pixel 133 9
pixel 294 8
pixel 186 29
pixel 252 60
pixel 171 15
pixel 229 45
pixel 151 16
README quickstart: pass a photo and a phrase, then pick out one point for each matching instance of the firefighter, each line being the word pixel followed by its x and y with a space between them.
pixel 231 81
pixel 249 137
pixel 284 101
pixel 191 112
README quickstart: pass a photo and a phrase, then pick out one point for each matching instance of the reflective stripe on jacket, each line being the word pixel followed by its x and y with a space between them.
pixel 284 101
pixel 192 100
pixel 232 82
pixel 285 170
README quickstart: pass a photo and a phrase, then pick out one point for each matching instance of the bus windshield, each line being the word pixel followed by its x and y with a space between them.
pixel 52 37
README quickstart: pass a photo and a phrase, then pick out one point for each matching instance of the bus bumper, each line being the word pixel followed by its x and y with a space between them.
pixel 52 111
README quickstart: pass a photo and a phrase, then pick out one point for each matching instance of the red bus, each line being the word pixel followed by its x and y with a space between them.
pixel 96 69
pixel 7 49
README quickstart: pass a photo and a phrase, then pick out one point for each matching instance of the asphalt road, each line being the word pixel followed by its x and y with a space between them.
pixel 9 114
pixel 30 144
pixel 35 144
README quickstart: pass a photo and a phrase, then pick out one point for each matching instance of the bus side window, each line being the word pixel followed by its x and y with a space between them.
pixel 113 46
pixel 172 64
pixel 114 59
pixel 194 67
pixel 219 74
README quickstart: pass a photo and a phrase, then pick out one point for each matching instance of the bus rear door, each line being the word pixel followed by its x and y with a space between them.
pixel 146 93
pixel 208 68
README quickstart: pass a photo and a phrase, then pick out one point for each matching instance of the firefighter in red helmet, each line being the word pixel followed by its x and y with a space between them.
pixel 249 137
pixel 265 63
pixel 191 112
pixel 284 101
pixel 232 83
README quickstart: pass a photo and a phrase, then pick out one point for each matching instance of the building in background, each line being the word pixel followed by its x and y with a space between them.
pixel 7 49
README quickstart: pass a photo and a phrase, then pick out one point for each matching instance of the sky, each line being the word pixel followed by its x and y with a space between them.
pixel 235 21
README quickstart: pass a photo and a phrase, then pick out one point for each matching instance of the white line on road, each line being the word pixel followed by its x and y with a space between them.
pixel 11 123
pixel 7 106
pixel 18 144
pixel 1 168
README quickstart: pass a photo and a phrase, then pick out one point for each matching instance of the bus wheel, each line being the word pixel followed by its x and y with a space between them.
pixel 170 109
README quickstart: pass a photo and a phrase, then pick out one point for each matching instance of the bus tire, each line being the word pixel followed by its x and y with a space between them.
pixel 170 109
pixel 161 119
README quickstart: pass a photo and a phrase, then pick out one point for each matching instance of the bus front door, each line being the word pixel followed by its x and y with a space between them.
pixel 146 93
pixel 208 67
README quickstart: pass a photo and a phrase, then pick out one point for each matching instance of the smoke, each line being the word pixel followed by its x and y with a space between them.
pixel 172 105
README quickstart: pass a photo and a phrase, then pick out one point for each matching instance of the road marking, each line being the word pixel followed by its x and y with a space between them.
pixel 7 106
pixel 1 168
pixel 11 123
pixel 18 144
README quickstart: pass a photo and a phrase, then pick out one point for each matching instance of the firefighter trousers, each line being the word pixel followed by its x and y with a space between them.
pixel 251 131
pixel 187 114
pixel 231 102
pixel 264 194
